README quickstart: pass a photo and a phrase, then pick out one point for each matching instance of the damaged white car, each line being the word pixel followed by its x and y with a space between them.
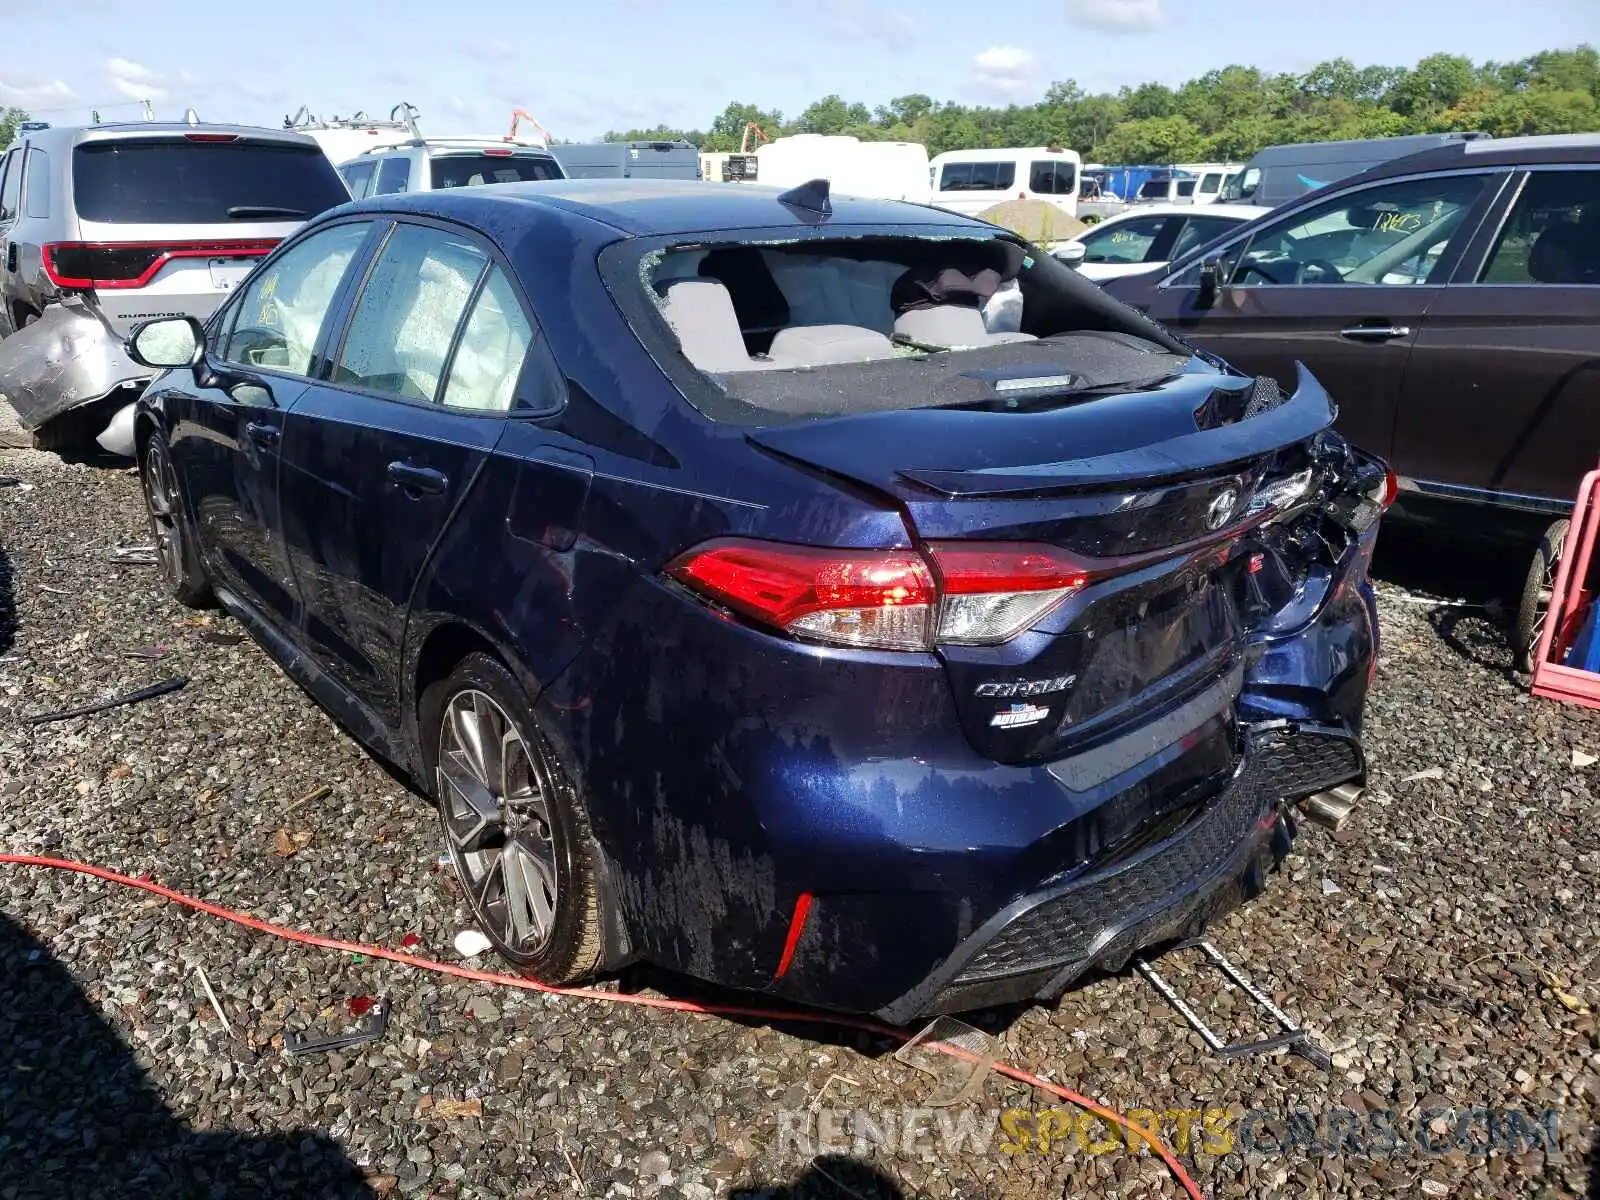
pixel 112 225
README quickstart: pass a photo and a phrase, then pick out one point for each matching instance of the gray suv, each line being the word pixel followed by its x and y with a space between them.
pixel 426 164
pixel 106 226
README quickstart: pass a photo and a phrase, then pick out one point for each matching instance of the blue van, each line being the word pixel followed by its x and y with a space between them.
pixel 1279 174
pixel 629 160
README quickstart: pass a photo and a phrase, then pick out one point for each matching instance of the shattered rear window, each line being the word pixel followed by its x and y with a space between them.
pixel 803 327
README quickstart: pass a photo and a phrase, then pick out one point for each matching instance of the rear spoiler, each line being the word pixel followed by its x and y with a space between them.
pixel 1307 412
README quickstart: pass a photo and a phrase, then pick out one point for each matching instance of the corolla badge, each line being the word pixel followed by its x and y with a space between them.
pixel 1222 508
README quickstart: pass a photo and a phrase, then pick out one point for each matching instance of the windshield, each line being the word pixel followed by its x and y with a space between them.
pixel 472 170
pixel 813 326
pixel 175 181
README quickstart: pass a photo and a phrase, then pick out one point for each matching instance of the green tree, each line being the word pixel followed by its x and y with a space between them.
pixel 1152 140
pixel 831 115
pixel 10 119
pixel 728 129
pixel 661 133
pixel 1228 113
pixel 1438 82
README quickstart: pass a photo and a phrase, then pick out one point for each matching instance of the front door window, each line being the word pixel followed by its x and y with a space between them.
pixel 1391 234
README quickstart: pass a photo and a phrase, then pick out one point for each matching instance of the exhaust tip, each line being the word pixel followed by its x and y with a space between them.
pixel 1331 809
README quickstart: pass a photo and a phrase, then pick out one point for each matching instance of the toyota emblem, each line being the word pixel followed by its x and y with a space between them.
pixel 1222 508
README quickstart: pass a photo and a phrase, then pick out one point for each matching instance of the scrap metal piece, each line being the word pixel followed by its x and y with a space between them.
pixel 1293 1038
pixel 69 357
pixel 368 1029
pixel 957 1055
pixel 135 556
pixel 88 710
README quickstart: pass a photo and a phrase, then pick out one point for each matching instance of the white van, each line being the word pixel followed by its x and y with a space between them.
pixel 875 170
pixel 1210 178
pixel 969 181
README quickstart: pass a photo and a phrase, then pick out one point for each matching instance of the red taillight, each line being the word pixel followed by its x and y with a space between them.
pixel 978 593
pixel 497 152
pixel 847 597
pixel 134 264
pixel 1391 490
pixel 211 137
pixel 993 591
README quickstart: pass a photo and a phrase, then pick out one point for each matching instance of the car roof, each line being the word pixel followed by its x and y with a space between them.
pixel 1000 153
pixel 643 208
pixel 1489 152
pixel 1244 212
pixel 77 135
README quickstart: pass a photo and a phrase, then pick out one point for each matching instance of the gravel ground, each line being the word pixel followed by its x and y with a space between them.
pixel 1443 947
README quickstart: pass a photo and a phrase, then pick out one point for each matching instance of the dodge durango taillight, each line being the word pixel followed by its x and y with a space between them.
pixel 960 593
pixel 118 265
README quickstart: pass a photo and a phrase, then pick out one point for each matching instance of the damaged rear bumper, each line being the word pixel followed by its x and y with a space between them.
pixel 1218 857
pixel 69 358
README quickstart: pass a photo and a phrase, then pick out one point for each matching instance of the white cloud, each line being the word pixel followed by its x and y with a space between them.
pixel 133 80
pixel 1117 16
pixel 495 49
pixel 32 95
pixel 862 21
pixel 122 68
pixel 1008 72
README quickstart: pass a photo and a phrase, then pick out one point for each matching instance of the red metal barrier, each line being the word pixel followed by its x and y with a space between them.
pixel 1568 601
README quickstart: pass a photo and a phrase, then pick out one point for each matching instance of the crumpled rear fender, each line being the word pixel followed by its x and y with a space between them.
pixel 67 358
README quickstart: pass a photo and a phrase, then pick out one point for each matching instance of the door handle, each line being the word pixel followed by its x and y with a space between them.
pixel 409 477
pixel 1375 333
pixel 263 435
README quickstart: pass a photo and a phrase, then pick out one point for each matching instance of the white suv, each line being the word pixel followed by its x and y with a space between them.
pixel 427 164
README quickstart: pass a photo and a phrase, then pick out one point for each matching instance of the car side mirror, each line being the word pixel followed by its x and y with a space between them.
pixel 1210 283
pixel 1072 254
pixel 168 342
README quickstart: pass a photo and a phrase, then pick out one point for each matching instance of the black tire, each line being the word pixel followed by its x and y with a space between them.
pixel 548 814
pixel 177 555
pixel 1536 595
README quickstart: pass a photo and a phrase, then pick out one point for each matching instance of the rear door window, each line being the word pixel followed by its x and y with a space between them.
pixel 393 175
pixel 358 177
pixel 175 181
pixel 278 317
pixel 977 177
pixel 494 344
pixel 471 170
pixel 1553 233
pixel 37 201
pixel 399 339
pixel 1125 242
pixel 1052 178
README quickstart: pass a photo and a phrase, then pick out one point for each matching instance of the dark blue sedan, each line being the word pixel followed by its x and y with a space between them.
pixel 828 598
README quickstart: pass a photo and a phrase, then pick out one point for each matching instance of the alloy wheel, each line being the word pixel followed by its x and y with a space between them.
pixel 160 497
pixel 494 799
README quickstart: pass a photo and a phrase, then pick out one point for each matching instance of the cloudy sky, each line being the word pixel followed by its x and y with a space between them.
pixel 585 67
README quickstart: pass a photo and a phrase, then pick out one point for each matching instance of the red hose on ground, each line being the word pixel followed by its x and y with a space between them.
pixel 802 1016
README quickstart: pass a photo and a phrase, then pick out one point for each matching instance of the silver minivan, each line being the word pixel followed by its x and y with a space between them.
pixel 105 226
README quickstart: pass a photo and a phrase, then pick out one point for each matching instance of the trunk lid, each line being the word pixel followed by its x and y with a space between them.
pixel 1158 491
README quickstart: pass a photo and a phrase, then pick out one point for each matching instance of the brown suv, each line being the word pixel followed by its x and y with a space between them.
pixel 1448 300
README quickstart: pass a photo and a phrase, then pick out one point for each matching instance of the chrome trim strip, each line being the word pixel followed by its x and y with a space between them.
pixel 1455 491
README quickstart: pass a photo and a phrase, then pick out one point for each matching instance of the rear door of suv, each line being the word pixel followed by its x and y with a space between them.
pixel 1502 401
pixel 170 223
